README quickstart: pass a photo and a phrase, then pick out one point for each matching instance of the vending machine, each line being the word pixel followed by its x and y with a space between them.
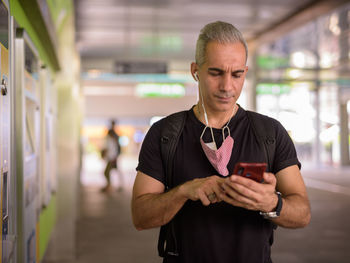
pixel 27 123
pixel 7 203
pixel 5 148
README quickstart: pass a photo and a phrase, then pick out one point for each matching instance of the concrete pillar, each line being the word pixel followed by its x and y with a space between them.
pixel 317 142
pixel 253 77
pixel 344 95
pixel 62 247
pixel 344 133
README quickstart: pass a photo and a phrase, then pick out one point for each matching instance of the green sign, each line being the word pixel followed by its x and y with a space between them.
pixel 176 90
pixel 272 88
pixel 270 62
pixel 161 43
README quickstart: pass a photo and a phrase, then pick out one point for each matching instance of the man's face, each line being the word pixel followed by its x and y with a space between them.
pixel 222 76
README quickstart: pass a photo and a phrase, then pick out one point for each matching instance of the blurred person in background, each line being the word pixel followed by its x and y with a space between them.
pixel 110 154
pixel 211 214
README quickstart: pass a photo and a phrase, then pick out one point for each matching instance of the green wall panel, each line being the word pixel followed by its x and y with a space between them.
pixel 27 14
pixel 60 10
pixel 46 225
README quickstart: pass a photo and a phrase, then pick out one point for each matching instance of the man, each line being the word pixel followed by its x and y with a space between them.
pixel 218 216
pixel 110 153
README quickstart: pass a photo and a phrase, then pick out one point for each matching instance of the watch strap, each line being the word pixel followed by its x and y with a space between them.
pixel 277 212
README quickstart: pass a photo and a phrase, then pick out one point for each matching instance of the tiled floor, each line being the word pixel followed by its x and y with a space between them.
pixel 105 232
pixel 325 240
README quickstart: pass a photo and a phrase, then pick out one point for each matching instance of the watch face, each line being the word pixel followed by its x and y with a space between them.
pixel 269 215
pixel 272 215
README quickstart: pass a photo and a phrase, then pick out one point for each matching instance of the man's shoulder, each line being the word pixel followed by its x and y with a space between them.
pixel 263 119
pixel 173 124
pixel 263 125
pixel 167 123
pixel 176 115
pixel 260 115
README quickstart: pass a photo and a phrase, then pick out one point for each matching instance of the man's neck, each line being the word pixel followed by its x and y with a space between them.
pixel 216 119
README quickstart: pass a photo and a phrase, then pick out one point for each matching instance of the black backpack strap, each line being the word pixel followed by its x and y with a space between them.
pixel 171 131
pixel 264 132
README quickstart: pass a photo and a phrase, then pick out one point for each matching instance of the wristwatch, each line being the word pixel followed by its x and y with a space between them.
pixel 276 213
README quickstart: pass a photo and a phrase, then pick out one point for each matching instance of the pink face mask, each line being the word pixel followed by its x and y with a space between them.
pixel 218 158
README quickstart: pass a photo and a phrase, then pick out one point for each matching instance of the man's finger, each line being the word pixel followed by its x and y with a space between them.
pixel 269 178
pixel 204 198
pixel 212 197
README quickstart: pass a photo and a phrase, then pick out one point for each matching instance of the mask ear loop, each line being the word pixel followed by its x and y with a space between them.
pixel 226 126
pixel 206 118
pixel 223 132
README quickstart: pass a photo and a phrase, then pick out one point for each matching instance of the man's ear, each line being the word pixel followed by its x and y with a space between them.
pixel 194 71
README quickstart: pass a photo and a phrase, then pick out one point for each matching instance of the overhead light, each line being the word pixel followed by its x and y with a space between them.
pixel 294 73
pixel 303 59
pixel 124 141
pixel 334 24
pixel 94 73
pixel 326 60
pixel 298 59
pixel 330 134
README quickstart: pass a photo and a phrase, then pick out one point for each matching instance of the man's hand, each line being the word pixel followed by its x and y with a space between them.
pixel 208 190
pixel 246 193
pixel 152 207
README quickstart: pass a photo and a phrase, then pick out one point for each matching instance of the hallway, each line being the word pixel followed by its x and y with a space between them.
pixel 106 234
pixel 105 230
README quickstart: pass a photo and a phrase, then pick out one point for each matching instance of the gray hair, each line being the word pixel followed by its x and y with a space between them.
pixel 221 32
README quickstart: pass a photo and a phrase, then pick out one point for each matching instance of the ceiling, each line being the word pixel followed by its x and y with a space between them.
pixel 109 31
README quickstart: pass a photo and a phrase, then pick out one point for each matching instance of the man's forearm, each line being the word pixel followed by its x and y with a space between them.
pixel 157 209
pixel 295 212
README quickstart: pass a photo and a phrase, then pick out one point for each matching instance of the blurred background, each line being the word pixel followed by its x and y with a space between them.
pixel 70 67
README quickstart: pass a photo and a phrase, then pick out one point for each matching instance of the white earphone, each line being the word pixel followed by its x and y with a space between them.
pixel 196 76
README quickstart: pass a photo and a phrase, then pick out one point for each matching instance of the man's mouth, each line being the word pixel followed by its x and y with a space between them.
pixel 224 98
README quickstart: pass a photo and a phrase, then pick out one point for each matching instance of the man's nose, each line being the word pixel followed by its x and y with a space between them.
pixel 226 82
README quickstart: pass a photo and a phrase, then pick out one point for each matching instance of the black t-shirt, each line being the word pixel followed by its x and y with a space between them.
pixel 219 232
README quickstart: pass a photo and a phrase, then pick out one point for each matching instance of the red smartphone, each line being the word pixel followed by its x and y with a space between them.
pixel 254 171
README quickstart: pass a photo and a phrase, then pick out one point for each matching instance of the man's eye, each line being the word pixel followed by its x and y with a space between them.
pixel 214 73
